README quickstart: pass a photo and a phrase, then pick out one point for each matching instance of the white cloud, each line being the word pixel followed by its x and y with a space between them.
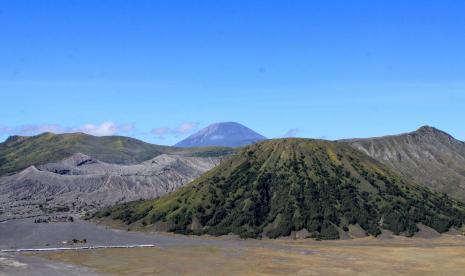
pixel 103 129
pixel 36 129
pixel 183 128
pixel 160 132
pixel 4 129
pixel 186 127
pixel 291 133
pixel 127 127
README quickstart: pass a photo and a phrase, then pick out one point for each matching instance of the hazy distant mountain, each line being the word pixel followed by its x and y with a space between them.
pixel 429 156
pixel 275 187
pixel 20 152
pixel 81 183
pixel 228 134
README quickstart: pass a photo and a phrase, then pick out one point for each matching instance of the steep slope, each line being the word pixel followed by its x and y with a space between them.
pixel 227 134
pixel 278 186
pixel 82 183
pixel 429 156
pixel 19 152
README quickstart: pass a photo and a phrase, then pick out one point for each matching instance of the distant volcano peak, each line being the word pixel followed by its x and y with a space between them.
pixel 226 134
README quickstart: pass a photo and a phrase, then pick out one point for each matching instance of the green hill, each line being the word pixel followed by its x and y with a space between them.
pixel 20 152
pixel 278 186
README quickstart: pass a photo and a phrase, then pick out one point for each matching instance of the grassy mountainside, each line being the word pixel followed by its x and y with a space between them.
pixel 278 186
pixel 19 152
pixel 429 156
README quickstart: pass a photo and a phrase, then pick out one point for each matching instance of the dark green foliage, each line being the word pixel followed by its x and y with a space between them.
pixel 329 232
pixel 276 187
pixel 212 152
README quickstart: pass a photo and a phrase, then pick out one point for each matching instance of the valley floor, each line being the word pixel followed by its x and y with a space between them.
pixel 441 256
pixel 182 255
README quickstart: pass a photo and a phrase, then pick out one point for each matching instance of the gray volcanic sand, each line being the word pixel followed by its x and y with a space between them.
pixel 25 234
pixel 80 184
pixel 17 264
pixel 180 254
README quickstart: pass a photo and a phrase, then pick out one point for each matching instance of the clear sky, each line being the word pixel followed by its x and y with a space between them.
pixel 159 70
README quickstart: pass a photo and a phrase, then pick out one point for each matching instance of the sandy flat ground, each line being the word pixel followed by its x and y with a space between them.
pixel 189 255
pixel 368 256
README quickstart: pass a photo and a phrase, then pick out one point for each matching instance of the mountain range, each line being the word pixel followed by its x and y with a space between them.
pixel 81 183
pixel 271 188
pixel 227 134
pixel 428 156
pixel 20 152
pixel 276 187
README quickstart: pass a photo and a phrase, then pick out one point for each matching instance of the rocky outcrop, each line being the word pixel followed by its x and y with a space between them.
pixel 429 156
pixel 81 183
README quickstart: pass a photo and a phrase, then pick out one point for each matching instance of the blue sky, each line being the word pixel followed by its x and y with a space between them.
pixel 159 70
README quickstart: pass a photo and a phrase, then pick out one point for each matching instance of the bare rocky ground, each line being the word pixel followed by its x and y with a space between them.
pixel 20 265
pixel 81 184
pixel 429 156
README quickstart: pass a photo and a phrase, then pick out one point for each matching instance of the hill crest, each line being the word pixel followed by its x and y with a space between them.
pixel 20 152
pixel 428 155
pixel 274 187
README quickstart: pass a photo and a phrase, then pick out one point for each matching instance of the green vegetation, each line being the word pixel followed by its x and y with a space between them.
pixel 278 186
pixel 19 152
pixel 210 152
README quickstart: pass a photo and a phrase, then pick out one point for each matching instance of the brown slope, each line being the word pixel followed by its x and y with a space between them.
pixel 429 156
